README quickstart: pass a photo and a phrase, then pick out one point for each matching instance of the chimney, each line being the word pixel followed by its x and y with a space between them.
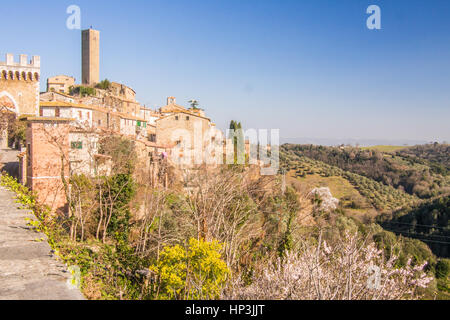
pixel 171 100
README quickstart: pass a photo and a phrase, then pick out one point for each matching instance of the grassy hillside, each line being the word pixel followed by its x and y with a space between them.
pixel 380 196
pixel 383 148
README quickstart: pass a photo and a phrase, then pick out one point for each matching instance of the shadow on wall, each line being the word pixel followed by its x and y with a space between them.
pixel 11 168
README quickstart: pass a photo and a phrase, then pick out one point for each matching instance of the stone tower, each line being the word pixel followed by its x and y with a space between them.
pixel 90 51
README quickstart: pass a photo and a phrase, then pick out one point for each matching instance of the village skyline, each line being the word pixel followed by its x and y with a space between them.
pixel 341 84
pixel 249 151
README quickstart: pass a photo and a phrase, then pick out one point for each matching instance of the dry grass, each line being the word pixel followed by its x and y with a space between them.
pixel 340 188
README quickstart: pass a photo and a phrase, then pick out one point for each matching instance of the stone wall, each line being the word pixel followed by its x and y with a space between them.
pixel 191 135
pixel 100 119
pixel 166 128
pixel 122 105
pixel 83 148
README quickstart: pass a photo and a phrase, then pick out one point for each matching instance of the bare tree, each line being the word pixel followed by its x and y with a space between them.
pixel 218 202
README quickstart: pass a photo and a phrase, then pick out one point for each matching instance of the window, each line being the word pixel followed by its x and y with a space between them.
pixel 176 118
pixel 57 112
pixel 76 145
pixel 41 112
pixel 153 137
pixel 28 155
pixel 187 118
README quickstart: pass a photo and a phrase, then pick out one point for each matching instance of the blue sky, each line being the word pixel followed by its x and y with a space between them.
pixel 308 67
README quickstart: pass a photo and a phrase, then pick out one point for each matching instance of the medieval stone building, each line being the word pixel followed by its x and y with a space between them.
pixel 60 83
pixel 19 88
pixel 64 128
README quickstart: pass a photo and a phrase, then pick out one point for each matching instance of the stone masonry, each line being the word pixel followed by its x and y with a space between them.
pixel 91 56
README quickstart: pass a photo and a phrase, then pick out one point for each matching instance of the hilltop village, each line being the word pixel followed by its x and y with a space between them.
pixel 140 201
pixel 66 122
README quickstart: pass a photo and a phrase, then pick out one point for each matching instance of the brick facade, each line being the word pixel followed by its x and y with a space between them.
pixel 47 152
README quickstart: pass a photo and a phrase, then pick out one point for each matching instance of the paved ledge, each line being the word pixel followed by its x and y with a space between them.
pixel 28 269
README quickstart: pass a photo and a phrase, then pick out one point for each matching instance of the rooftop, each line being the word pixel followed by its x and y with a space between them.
pixel 89 107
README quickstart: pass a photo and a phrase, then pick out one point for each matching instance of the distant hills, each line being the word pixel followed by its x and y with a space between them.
pixel 407 189
pixel 352 141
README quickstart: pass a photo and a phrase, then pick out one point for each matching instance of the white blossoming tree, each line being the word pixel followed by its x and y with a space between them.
pixel 350 269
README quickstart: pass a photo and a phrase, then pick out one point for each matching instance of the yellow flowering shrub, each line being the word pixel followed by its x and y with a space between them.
pixel 195 272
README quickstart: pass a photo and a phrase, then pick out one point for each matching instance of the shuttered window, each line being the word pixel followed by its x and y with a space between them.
pixel 76 145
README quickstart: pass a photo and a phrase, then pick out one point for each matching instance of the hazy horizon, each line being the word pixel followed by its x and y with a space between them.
pixel 356 142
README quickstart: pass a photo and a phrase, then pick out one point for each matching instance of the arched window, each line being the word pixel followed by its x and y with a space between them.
pixel 17 75
pixel 36 76
pixel 24 76
pixel 4 75
pixel 30 76
pixel 11 75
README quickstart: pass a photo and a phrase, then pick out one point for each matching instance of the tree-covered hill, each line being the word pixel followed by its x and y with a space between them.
pixel 401 212
pixel 382 197
pixel 407 226
pixel 420 171
pixel 428 222
pixel 437 156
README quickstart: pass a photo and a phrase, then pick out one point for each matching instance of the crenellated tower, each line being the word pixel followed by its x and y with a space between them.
pixel 20 84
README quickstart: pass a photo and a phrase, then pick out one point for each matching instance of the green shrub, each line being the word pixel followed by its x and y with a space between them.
pixel 442 268
pixel 104 84
pixel 83 91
